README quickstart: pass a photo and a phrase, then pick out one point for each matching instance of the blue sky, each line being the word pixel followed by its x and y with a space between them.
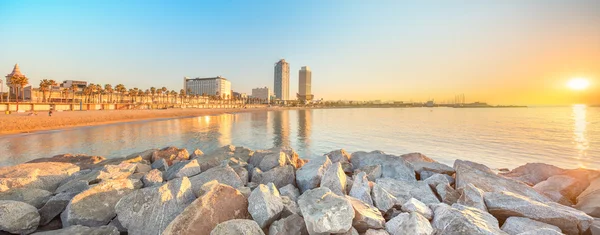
pixel 356 49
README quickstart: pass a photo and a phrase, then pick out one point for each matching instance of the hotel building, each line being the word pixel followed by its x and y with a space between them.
pixel 208 86
pixel 282 80
pixel 304 86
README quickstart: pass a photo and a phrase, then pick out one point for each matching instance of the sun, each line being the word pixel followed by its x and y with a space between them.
pixel 578 83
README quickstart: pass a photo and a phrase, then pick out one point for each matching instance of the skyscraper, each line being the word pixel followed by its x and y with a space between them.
pixel 304 87
pixel 282 80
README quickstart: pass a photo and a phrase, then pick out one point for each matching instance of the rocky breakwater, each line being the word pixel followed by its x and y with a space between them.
pixel 235 190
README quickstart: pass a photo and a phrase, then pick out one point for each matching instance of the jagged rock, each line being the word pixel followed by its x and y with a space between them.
pixel 160 164
pixel 196 154
pixel 96 206
pixel 74 186
pixel 242 173
pixel 376 232
pixel 458 220
pixel 246 191
pixel 290 191
pixel 31 196
pixel 517 225
pixel 81 160
pixel 325 212
pixel 136 176
pixel 115 222
pixel 44 175
pixel 506 204
pixel 390 214
pixel 423 175
pixel 437 179
pixel 349 183
pixel 414 205
pixel 119 161
pixel 293 224
pixel 146 155
pixel 373 172
pixel 589 200
pixel 334 178
pixel 447 193
pixel 83 230
pixel 471 196
pixel 309 175
pixel 383 200
pixel 409 223
pixel 107 172
pixel 171 155
pixel 595 229
pixel 54 207
pixel 142 168
pixel 181 169
pixel 352 231
pixel 237 227
pixel 342 157
pixel 365 216
pixel 265 205
pixel 361 189
pixel 148 211
pixel 392 166
pixel 421 163
pixel 533 173
pixel 289 207
pixel 541 231
pixel 153 178
pixel 404 190
pixel 272 160
pixel 18 217
pixel 218 204
pixel 485 179
pixel 561 188
pixel 223 174
pixel 280 176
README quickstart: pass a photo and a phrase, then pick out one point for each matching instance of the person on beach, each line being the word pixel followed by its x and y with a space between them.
pixel 50 112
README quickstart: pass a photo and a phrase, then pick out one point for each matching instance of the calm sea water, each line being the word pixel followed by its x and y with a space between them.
pixel 509 137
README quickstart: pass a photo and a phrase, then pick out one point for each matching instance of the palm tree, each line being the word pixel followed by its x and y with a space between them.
pixel 153 91
pixel 147 93
pixel 181 94
pixel 52 84
pixel 65 94
pixel 109 89
pixel 120 88
pixel 163 91
pixel 44 84
pixel 20 82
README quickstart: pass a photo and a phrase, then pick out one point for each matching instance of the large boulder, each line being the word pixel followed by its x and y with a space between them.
pixel 54 207
pixel 182 168
pixel 150 210
pixel 107 172
pixel 265 205
pixel 342 157
pixel 273 160
pixel 447 194
pixel 458 220
pixel 83 230
pixel 589 200
pixel 373 172
pixel 506 204
pixel 81 160
pixel 219 203
pixel 471 196
pixel 409 223
pixel 325 212
pixel 405 190
pixel 153 178
pixel 145 155
pixel 376 232
pixel 43 175
pixel 361 189
pixel 96 206
pixel 293 224
pixel 421 163
pixel 392 166
pixel 309 175
pixel 414 205
pixel 222 174
pixel 289 207
pixel 160 164
pixel 533 173
pixel 237 227
pixel 171 155
pixel 280 176
pixel 384 200
pixel 18 217
pixel 563 189
pixel 290 191
pixel 365 216
pixel 485 179
pixel 32 196
pixel 518 225
pixel 595 229
pixel 334 178
pixel 436 179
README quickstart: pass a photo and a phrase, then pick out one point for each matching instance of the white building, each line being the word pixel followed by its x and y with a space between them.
pixel 69 83
pixel 262 93
pixel 282 80
pixel 304 86
pixel 208 86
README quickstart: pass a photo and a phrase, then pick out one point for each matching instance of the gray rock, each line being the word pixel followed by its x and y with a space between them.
pixel 423 175
pixel 376 232
pixel 471 196
pixel 458 220
pixel 447 193
pixel 290 191
pixel 160 164
pixel 361 189
pixel 352 231
pixel 81 160
pixel 96 206
pixel 237 227
pixel 517 225
pixel 272 160
pixel 18 217
pixel 309 175
pixel 74 186
pixel 54 207
pixel 182 168
pixel 409 223
pixel 383 200
pixel 115 222
pixel 289 207
pixel 334 178
pixel 150 210
pixel 246 191
pixel 146 155
pixel 196 154
pixel 171 155
pixel 404 190
pixel 506 204
pixel 104 173
pixel 392 166
pixel 414 205
pixel 32 196
pixel 293 224
pixel 83 230
pixel 373 172
pixel 242 173
pixel 339 155
pixel 265 205
pixel 541 231
pixel 421 163
pixel 142 168
pixel 153 178
pixel 533 173
pixel 222 174
pixel 365 216
pixel 437 178
pixel 280 176
pixel 325 212
pixel 563 189
pixel 589 200
pixel 595 229
pixel 43 175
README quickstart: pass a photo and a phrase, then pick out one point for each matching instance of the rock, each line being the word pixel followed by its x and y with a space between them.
pixel 517 225
pixel 146 155
pixel 404 190
pixel 74 186
pixel 107 172
pixel 349 183
pixel 136 176
pixel 265 205
pixel 447 193
pixel 506 204
pixel 339 155
pixel 182 168
pixel 561 188
pixel 96 206
pixel 18 217
pixel 222 174
pixel 290 191
pixel 325 212
pixel 373 172
pixel 218 204
pixel 54 207
pixel 376 232
pixel 390 214
pixel 485 179
pixel 414 205
pixel 361 189
pixel 420 163
pixel 142 168
pixel 365 216
pixel 383 200
pixel 171 155
pixel 436 179
pixel 533 173
pixel 392 166
pixel 119 161
pixel 150 210
pixel 471 196
pixel 541 231
pixel 334 178
pixel 309 175
pixel 31 196
pixel 409 223
pixel 81 160
pixel 115 222
pixel 352 231
pixel 595 229
pixel 293 224
pixel 160 164
pixel 458 219
pixel 153 178
pixel 280 176
pixel 423 175
pixel 272 160
pixel 196 154
pixel 237 227
pixel 289 207
pixel 246 191
pixel 242 173
pixel 83 230
pixel 589 200
pixel 45 175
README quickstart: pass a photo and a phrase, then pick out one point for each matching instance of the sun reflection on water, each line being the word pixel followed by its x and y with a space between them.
pixel 579 131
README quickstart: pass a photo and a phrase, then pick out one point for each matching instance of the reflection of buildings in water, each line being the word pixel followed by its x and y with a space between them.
pixel 225 123
pixel 304 128
pixel 579 130
pixel 281 128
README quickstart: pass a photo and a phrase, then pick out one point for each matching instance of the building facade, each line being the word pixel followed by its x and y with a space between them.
pixel 16 72
pixel 215 86
pixel 262 93
pixel 79 84
pixel 282 80
pixel 304 86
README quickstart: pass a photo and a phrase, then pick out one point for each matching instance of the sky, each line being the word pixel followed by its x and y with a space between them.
pixel 500 52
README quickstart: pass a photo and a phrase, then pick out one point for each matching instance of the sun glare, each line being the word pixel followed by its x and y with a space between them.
pixel 578 83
